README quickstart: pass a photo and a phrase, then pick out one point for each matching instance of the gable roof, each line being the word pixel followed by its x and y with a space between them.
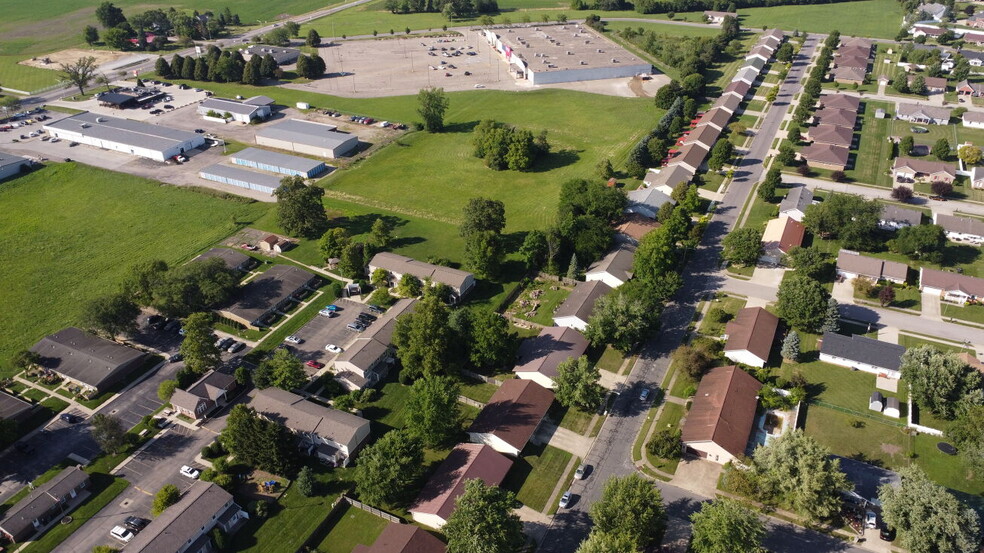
pixel 826 153
pixel 402 264
pixel 951 282
pixel 637 226
pixel 580 303
pixel 754 330
pixel 872 267
pixel 670 176
pixel 924 166
pixel 650 197
pixel 857 41
pixel 723 409
pixel 545 352
pixel 971 361
pixel 363 353
pixel 301 415
pixel 692 155
pixel 232 258
pixel 931 82
pixel 728 103
pixel 799 198
pixel 403 538
pixel 83 357
pixel 785 232
pixel 973 117
pixel 850 60
pixel 962 225
pixel 181 522
pixel 863 350
pixel 717 117
pixel 20 517
pixel 834 116
pixel 741 88
pixel 747 74
pixel 513 412
pixel 896 214
pixel 208 388
pixel 760 50
pixel 237 107
pixel 12 407
pixel 464 463
pixel 705 134
pixel 617 263
pixel 840 101
pixel 848 73
pixel 831 134
pixel 918 110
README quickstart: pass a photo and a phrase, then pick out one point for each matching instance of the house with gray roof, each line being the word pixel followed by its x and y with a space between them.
pixel 795 203
pixel 261 298
pixel 848 75
pixel 951 287
pixel 366 361
pixel 11 165
pixel 237 261
pixel 837 117
pixel 577 308
pixel 539 357
pixel 13 408
pixel 280 54
pixel 124 135
pixel 705 135
pixel 936 11
pixel 833 135
pixel 242 111
pixel 737 88
pixel 668 177
pixel 86 360
pixel 460 282
pixel 615 269
pixel 894 217
pixel 329 434
pixel 45 504
pixel 728 103
pixel 919 113
pixel 307 137
pixel 186 526
pixel 862 353
pixel 961 229
pixel 647 201
pixel 210 392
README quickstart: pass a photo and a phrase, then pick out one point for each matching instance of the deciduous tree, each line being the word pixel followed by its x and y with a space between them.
pixel 313 39
pixel 743 246
pixel 621 321
pixel 381 234
pixel 483 214
pixel 920 242
pixel 168 495
pixel 490 342
pixel 812 262
pixel 90 35
pixel 389 471
pixel 483 521
pixel 423 340
pixel 802 475
pixel 902 194
pixel 333 243
pixel 632 507
pixel 929 518
pixel 300 210
pixel 258 442
pixel 576 384
pixel 111 315
pixel 80 73
pixel 166 389
pixel 286 371
pixel 726 526
pixel 109 16
pixel 941 150
pixel 109 433
pixel 940 381
pixel 432 411
pixel 432 103
pixel 484 253
pixel 802 302
pixel 601 542
pixel 198 347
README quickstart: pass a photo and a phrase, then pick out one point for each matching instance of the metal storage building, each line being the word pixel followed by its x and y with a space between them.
pixel 123 135
pixel 10 165
pixel 307 137
pixel 279 163
pixel 241 177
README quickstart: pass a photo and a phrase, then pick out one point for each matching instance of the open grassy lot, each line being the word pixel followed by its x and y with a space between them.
pixel 669 419
pixel 910 341
pixel 538 301
pixel 536 472
pixel 906 297
pixel 972 313
pixel 872 18
pixel 570 418
pixel 352 526
pixel 730 305
pixel 85 227
pixel 610 360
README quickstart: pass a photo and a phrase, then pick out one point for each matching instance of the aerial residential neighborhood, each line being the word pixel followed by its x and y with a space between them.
pixel 382 276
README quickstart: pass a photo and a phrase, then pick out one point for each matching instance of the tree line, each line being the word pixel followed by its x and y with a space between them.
pixel 119 29
pixel 451 9
pixel 230 67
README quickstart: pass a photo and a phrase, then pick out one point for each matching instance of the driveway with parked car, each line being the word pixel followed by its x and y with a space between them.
pixel 324 330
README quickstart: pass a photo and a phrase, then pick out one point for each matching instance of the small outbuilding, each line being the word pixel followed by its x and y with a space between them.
pixel 892 408
pixel 876 402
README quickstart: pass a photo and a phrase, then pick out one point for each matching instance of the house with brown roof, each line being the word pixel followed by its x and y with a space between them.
pixel 208 393
pixel 925 30
pixel 403 538
pixel 720 421
pixel 615 269
pixel 539 357
pixel 973 38
pixel 737 88
pixel 367 360
pixel 933 84
pixel 961 229
pixel 437 498
pixel 837 117
pixel 908 170
pixel 781 235
pixel 848 75
pixel 275 244
pixel 832 135
pixel 770 42
pixel 705 135
pixel 186 526
pixel 971 361
pixel 750 336
pixel 919 113
pixel 728 103
pixel 13 408
pixel 691 156
pixel 855 42
pixel 45 504
pixel 951 287
pixel 840 101
pixel 894 217
pixel 760 51
pixel 634 228
pixel 825 156
pixel 847 60
pixel 851 265
pixel 511 416
pixel 577 308
pixel 86 360
pixel 668 177
pixel 460 282
pixel 717 117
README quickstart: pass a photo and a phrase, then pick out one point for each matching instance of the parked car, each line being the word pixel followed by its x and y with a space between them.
pixel 70 418
pixel 24 447
pixel 314 364
pixel 582 469
pixel 175 358
pixel 644 394
pixel 333 348
pixel 293 339
pixel 886 533
pixel 200 131
pixel 332 307
pixel 565 499
pixel 223 343
pixel 368 316
pixel 376 309
pixel 355 326
pixel 870 519
pixel 236 346
pixel 326 313
pixel 190 472
pixel 136 524
pixel 121 533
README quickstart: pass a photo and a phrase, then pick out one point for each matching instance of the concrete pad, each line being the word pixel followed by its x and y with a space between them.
pixel 888 384
pixel 931 307
pixel 535 524
pixel 698 475
pixel 843 292
pixel 756 302
pixel 562 438
pixel 768 276
pixel 888 334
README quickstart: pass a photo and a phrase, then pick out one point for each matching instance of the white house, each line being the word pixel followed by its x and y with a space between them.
pixel 511 416
pixel 862 353
pixel 750 336
pixel 577 308
pixel 615 269
pixel 851 265
pixel 951 287
pixel 961 229
pixel 539 357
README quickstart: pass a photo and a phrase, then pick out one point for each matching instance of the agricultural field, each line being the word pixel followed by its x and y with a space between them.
pixel 870 18
pixel 95 224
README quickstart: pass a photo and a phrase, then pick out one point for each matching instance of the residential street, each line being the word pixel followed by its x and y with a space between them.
pixel 611 453
pixel 882 193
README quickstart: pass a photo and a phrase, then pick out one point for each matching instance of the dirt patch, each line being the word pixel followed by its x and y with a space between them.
pixel 54 59
pixel 891 449
pixel 255 487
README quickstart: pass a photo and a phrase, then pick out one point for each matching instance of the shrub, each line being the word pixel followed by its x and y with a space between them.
pixel 902 194
pixel 865 287
pixel 665 444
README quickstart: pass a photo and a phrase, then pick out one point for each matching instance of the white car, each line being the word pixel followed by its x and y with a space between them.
pixel 121 533
pixel 333 348
pixel 293 339
pixel 326 313
pixel 190 472
pixel 565 500
pixel 870 520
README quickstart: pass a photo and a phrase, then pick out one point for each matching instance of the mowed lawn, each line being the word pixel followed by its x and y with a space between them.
pixel 871 18
pixel 73 231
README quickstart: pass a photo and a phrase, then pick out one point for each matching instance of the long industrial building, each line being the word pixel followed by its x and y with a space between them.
pixel 570 52
pixel 276 162
pixel 307 137
pixel 123 135
pixel 243 178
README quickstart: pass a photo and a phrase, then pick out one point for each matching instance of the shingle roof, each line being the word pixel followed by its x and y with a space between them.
pixel 691 155
pixel 299 414
pixel 363 353
pixel 840 117
pixel 962 225
pixel 737 87
pixel 723 409
pixel 705 134
pixel 513 412
pixel 232 258
pixel 785 232
pixel 636 226
pixel 840 101
pixel 261 294
pixel 871 267
pixel 554 345
pixel 670 176
pixel 848 73
pixel 617 263
pixel 924 166
pixel 83 357
pixel 650 197
pixel 896 214
pixel 919 110
pixel 863 350
pixel 728 103
pixel 826 153
pixel 856 62
pixel 20 517
pixel 973 117
pixel 754 330
pixel 831 134
pixel 947 281
pixel 12 407
pixel 798 198
pixel 759 50
pixel 717 117
pixel 931 82
pixel 382 330
pixel 465 462
pixel 401 264
pixel 181 522
pixel 582 300
pixel 403 538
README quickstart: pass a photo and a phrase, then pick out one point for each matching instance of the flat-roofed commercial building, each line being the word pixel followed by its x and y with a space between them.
pixel 243 111
pixel 307 137
pixel 11 165
pixel 563 53
pixel 123 135
pixel 243 178
pixel 275 162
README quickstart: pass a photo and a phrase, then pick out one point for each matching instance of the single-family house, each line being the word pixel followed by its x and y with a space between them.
pixel 795 203
pixel 936 11
pixel 691 156
pixel 961 229
pixel 755 62
pixel 634 228
pixel 781 235
pixel 705 135
pixel 775 33
pixel 977 178
pixel 723 413
pixel 933 84
pixel 919 113
pixel 976 21
pixel 851 265
pixel 848 75
pixel 769 41
pixel 460 282
pixel 894 217
pixel 669 176
pixel 837 117
pixel 13 408
pixel 717 18
pixel 974 58
pixel 750 336
pixel 925 30
pixel 971 37
pixel 262 298
pixel 951 287
pixel 436 500
pixel 876 402
pixel 892 408
pixel 205 395
pixel 840 101
pixel 45 504
pixel 330 434
pixel 89 361
pixel 825 156
pixel 647 201
pixel 615 269
pixel 403 538
pixel 908 170
pixel 237 261
pixel 737 88
pixel 716 117
pixel 577 308
pixel 728 103
pixel 967 88
pixel 855 41
pixel 855 61
pixel 973 119
pixel 862 353
pixel 971 361
pixel 539 357
pixel 832 135
pixel 511 416
pixel 186 526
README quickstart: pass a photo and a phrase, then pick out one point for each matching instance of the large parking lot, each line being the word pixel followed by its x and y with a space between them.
pixel 322 331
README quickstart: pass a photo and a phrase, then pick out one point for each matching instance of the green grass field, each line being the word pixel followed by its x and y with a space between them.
pixel 669 419
pixel 352 526
pixel 75 232
pixel 535 474
pixel 730 305
pixel 872 18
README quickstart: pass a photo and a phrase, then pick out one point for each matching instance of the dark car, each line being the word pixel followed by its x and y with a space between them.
pixel 70 418
pixel 886 533
pixel 200 131
pixel 377 309
pixel 367 316
pixel 136 524
pixel 155 321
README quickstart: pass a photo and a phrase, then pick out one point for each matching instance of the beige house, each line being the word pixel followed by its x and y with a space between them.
pixel 460 282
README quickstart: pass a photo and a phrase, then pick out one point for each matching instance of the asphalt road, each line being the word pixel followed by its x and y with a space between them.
pixel 610 455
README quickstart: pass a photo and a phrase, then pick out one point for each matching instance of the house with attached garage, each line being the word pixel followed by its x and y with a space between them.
pixel 722 416
pixel 951 287
pixel 781 235
pixel 747 75
pixel 729 103
pixel 825 156
pixel 615 269
pixel 933 84
pixel 691 156
pixel 832 135
pixel 834 116
pixel 634 228
pixel 976 21
pixel 208 393
pixel 511 416
pixel 936 11
pixel 87 361
pixel 436 500
pixel 750 336
pixel 186 526
pixel 961 229
pixel 577 308
pixel 667 178
pixel 795 203
pixel 761 52
pixel 848 75
pixel 539 357
pixel 862 353
pixel 755 62
pixel 647 201
pixel 894 217
pixel 973 119
pixel 738 89
pixel 909 170
pixel 329 434
pixel 967 88
pixel 840 101
pixel 851 265
pixel 705 135
pixel 922 114
pixel 45 504
pixel 717 18
pixel 716 117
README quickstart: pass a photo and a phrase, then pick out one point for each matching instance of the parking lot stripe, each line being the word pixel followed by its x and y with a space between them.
pixel 142 491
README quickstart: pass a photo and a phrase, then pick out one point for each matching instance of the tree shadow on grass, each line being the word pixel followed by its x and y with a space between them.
pixel 460 127
pixel 961 254
pixel 556 160
pixel 362 224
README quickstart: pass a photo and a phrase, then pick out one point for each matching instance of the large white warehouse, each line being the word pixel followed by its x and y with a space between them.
pixel 123 135
pixel 307 137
